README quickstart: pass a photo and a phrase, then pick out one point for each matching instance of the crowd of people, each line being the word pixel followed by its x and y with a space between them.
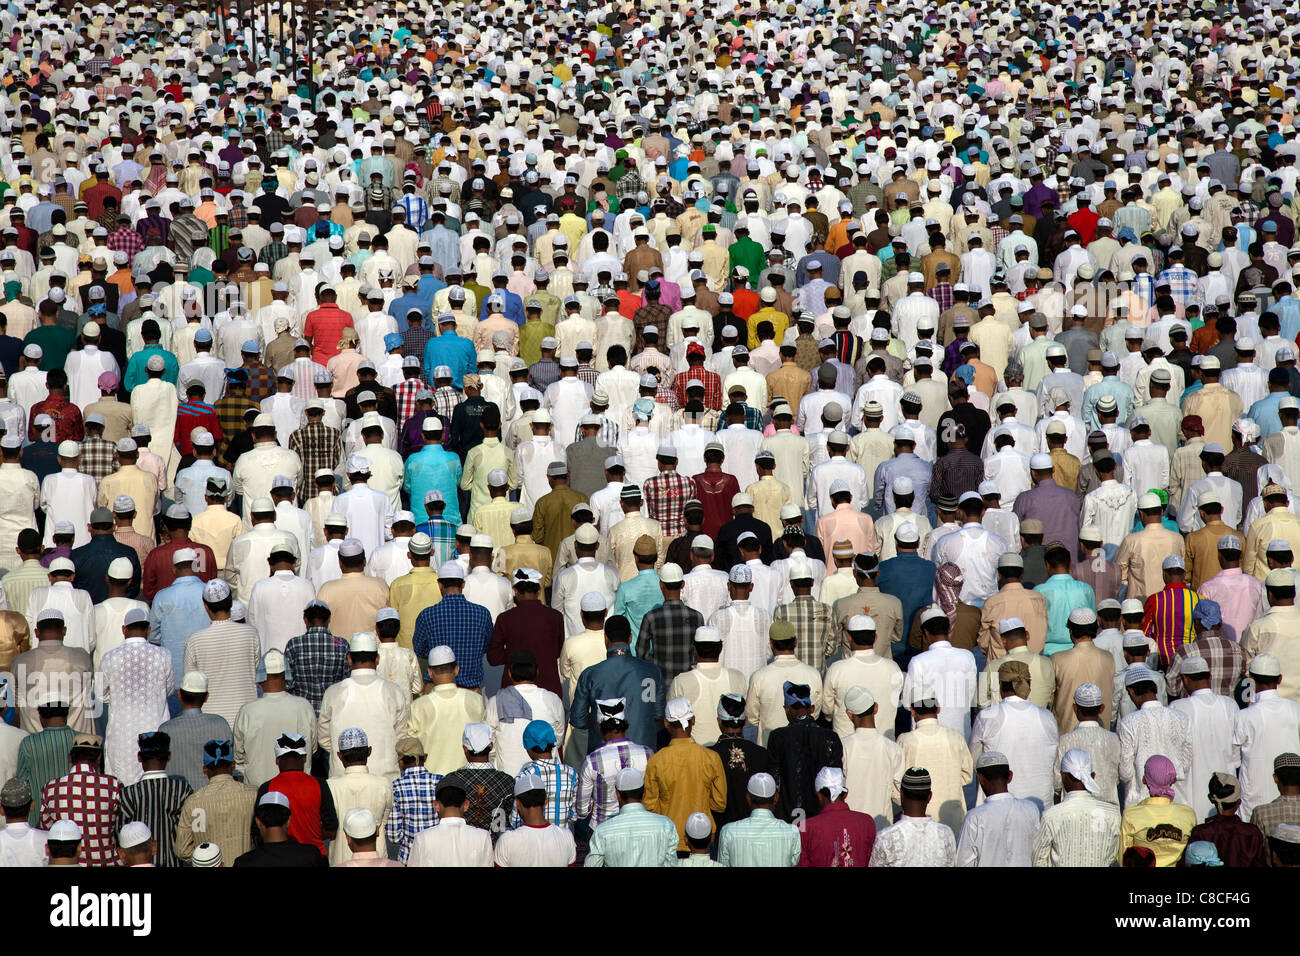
pixel 649 434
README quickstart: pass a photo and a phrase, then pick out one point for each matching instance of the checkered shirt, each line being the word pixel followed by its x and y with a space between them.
pixel 405 391
pixel 89 799
pixel 814 629
pixel 1182 284
pixel 561 791
pixel 413 811
pixel 665 637
pixel 664 495
pixel 597 797
pixel 463 626
pixel 414 340
pixel 125 239
pixel 443 533
pixel 97 459
pixel 316 660
pixel 318 446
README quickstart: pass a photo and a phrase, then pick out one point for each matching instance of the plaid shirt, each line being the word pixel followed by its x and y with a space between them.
pixel 463 626
pixel 1226 659
pixel 238 216
pixel 417 210
pixel 445 400
pixel 413 810
pixel 443 533
pixel 89 799
pixel 942 293
pixel 97 459
pixel 230 413
pixel 1281 810
pixel 414 340
pixel 753 419
pixel 272 253
pixel 490 792
pixel 816 636
pixel 315 660
pixel 318 446
pixel 544 372
pixel 656 313
pixel 125 239
pixel 561 791
pixel 597 797
pixel 665 637
pixel 587 373
pixel 1248 212
pixel 261 382
pixel 712 386
pixel 665 494
pixel 405 392
pixel 1182 284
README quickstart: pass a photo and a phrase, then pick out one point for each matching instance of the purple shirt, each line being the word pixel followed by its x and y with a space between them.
pixel 1056 507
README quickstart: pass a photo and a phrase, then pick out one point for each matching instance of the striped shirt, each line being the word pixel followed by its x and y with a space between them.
pixel 228 653
pixel 220 813
pixel 189 731
pixel 597 797
pixel 1167 618
pixel 156 800
pixel 413 811
pixel 42 757
pixel 22 581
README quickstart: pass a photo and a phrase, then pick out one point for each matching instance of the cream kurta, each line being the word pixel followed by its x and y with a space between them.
pixel 379 707
pixel 20 493
pixel 154 403
pixel 438 719
pixel 357 787
pixel 943 752
pixel 257 726
pixel 765 698
pixel 866 668
pixel 142 488
pixel 873 773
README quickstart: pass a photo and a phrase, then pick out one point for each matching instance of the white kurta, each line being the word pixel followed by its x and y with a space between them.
pixel 1214 720
pixel 999 832
pixel 275 608
pixel 379 707
pixel 248 559
pixel 948 674
pixel 20 493
pixel 78 613
pixel 68 495
pixel 84 367
pixel 369 514
pixel 258 467
pixel 1027 735
pixel 135 680
pixel 1268 727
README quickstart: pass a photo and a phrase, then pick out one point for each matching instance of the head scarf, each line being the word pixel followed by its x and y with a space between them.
pixel 1159 775
pixel 947 588
pixel 1015 673
pixel 1078 764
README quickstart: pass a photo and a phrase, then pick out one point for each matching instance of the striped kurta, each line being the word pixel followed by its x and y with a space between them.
pixel 43 757
pixel 155 800
pixel 1168 618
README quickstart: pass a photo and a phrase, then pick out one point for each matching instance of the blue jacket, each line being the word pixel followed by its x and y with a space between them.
pixel 621 675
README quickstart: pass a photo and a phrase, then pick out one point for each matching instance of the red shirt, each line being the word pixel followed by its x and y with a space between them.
pixel 715 489
pixel 67 419
pixel 96 195
pixel 323 328
pixel 159 573
pixel 628 302
pixel 745 302
pixel 192 415
pixel 1084 222
pixel 837 836
pixel 306 795
pixel 89 799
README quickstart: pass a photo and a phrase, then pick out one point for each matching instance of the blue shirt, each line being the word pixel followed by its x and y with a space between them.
pixel 1287 310
pixel 177 613
pixel 463 626
pixel 453 351
pixel 888 472
pixel 405 303
pixel 433 468
pixel 759 840
pixel 620 674
pixel 136 371
pixel 910 578
pixel 1112 386
pixel 634 837
pixel 514 309
pixel 1063 594
pixel 637 597
pixel 1265 414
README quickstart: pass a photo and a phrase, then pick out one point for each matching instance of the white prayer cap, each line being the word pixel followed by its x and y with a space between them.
pixel 183 556
pixel 698 826
pixel 1083 615
pixel 351 548
pixel 483 541
pixel 451 571
pixel 65 831
pixel 476 737
pixel 861 622
pixel 134 616
pixel 707 635
pixel 216 591
pixel 1040 462
pixel 1265 665
pixel 741 574
pixel 69 449
pixel 135 833
pixel 762 785
pixel 1088 695
pixel 629 779
pixel 359 823
pixel 1078 764
pixel 1148 500
pixel 206 855
pixel 194 682
pixel 441 656
pixel 363 642
pixel 859 700
pixel 671 573
pixel 49 614
pixel 1008 624
pixel 120 569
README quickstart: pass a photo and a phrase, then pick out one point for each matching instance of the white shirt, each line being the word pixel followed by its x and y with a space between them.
pixel 1146 465
pixel 975 550
pixel 1214 721
pixel 275 608
pixel 741 445
pixel 390 561
pixel 824 475
pixel 1154 729
pixel 135 680
pixel 548 846
pixel 531 459
pixel 452 842
pixel 915 841
pixel 744 630
pixel 258 467
pixel 1268 727
pixel 999 832
pixel 84 367
pixel 1081 830
pixel 22 846
pixel 1229 492
pixel 508 752
pixel 1111 507
pixel 68 495
pixel 369 514
pixel 948 673
pixel 705 589
pixel 489 590
pixel 78 613
pixel 1027 735
pixel 577 580
pixel 248 560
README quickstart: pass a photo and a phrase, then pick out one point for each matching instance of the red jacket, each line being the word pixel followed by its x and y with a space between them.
pixel 837 836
